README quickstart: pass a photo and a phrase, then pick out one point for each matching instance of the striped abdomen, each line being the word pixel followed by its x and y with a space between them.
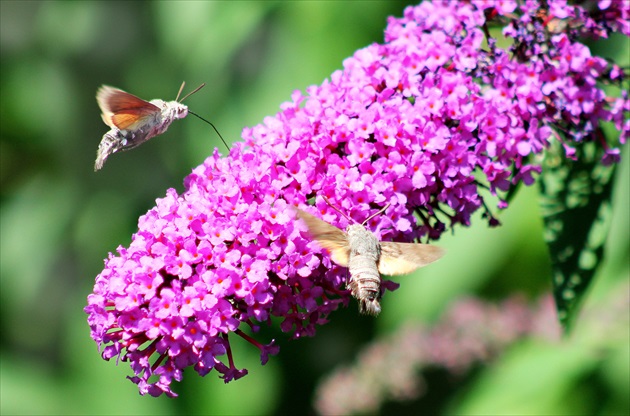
pixel 365 280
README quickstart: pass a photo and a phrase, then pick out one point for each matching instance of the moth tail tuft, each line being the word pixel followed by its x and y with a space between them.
pixel 369 307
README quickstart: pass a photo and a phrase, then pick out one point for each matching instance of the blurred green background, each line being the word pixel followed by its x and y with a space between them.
pixel 59 219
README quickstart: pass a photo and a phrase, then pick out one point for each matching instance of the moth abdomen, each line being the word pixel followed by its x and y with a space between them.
pixel 365 283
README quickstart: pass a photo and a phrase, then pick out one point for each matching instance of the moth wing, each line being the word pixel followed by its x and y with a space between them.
pixel 328 236
pixel 123 110
pixel 402 258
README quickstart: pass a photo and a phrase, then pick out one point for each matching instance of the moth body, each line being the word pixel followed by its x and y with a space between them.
pixel 132 120
pixel 365 280
pixel 367 258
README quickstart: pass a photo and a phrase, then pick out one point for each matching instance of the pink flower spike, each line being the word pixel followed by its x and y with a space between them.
pixel 430 121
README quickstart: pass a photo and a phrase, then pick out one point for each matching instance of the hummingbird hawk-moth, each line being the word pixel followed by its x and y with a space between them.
pixel 132 120
pixel 366 257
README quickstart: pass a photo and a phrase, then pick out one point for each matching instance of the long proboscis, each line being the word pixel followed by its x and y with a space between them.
pixel 197 115
pixel 215 129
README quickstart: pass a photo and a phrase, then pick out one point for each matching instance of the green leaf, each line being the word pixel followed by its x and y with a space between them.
pixel 576 207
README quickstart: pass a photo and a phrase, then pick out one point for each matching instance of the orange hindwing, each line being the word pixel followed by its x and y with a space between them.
pixel 123 110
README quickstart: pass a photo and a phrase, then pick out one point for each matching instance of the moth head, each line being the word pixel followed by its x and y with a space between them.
pixel 354 229
pixel 180 110
pixel 171 109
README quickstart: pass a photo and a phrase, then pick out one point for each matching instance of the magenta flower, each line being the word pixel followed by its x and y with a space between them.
pixel 405 123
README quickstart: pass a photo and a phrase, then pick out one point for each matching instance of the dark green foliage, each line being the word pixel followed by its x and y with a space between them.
pixel 576 207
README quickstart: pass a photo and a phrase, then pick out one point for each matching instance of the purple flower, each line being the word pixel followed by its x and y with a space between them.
pixel 405 123
pixel 469 333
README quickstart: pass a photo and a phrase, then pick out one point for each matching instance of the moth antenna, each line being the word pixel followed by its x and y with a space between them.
pixel 378 213
pixel 180 90
pixel 337 209
pixel 192 92
pixel 350 219
pixel 198 116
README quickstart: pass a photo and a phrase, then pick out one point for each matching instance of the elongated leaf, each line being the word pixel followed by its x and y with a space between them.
pixel 576 206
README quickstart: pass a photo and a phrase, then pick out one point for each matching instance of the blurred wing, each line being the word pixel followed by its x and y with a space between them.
pixel 123 110
pixel 328 236
pixel 401 258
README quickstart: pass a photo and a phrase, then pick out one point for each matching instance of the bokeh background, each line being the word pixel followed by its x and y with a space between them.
pixel 59 219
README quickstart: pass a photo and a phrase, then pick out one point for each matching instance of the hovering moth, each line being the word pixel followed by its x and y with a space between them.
pixel 132 120
pixel 366 257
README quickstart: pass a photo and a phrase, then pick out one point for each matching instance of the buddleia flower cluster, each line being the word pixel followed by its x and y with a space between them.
pixel 432 121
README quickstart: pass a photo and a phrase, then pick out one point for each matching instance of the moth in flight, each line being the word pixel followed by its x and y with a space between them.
pixel 367 258
pixel 132 120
